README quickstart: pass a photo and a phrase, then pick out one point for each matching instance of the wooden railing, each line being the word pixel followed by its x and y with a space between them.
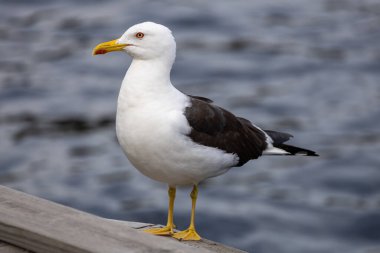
pixel 32 224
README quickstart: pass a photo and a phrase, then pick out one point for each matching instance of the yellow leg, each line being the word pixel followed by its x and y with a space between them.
pixel 168 229
pixel 190 234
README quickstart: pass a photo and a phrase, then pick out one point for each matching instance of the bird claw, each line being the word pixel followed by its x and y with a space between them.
pixel 167 230
pixel 187 235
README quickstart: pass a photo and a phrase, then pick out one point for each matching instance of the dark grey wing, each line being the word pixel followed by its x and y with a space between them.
pixel 201 98
pixel 278 137
pixel 215 127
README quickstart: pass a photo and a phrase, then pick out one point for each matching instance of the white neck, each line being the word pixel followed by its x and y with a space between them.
pixel 146 81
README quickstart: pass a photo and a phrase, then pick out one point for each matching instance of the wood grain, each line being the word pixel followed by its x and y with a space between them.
pixel 42 226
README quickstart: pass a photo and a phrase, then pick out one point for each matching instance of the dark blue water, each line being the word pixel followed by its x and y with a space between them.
pixel 310 68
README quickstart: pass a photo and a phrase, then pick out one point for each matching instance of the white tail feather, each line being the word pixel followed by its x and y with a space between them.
pixel 275 151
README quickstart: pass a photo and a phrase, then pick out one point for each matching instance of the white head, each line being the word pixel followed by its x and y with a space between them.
pixel 143 41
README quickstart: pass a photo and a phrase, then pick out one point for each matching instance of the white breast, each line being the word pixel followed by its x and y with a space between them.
pixel 152 130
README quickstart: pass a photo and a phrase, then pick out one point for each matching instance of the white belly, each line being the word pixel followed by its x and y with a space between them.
pixel 155 141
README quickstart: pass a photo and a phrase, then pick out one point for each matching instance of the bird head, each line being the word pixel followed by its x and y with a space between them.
pixel 146 40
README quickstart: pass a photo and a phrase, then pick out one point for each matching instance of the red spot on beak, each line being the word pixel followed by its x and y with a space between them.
pixel 100 51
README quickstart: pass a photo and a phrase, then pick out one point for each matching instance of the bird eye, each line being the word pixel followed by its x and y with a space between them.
pixel 139 35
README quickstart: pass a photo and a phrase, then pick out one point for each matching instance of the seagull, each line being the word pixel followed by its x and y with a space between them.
pixel 175 138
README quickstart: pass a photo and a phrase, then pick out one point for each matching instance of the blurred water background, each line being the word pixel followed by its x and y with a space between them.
pixel 310 68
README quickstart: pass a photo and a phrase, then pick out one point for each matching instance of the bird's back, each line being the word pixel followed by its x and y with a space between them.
pixel 216 127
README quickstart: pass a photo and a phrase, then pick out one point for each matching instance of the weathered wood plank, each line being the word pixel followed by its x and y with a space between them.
pixel 42 226
pixel 7 248
pixel 205 244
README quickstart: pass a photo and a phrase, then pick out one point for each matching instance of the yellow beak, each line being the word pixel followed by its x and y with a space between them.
pixel 108 46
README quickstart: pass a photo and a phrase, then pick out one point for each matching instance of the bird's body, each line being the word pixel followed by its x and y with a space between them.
pixel 175 138
pixel 153 131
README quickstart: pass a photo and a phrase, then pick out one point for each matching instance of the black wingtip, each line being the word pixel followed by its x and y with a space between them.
pixel 292 150
pixel 310 153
